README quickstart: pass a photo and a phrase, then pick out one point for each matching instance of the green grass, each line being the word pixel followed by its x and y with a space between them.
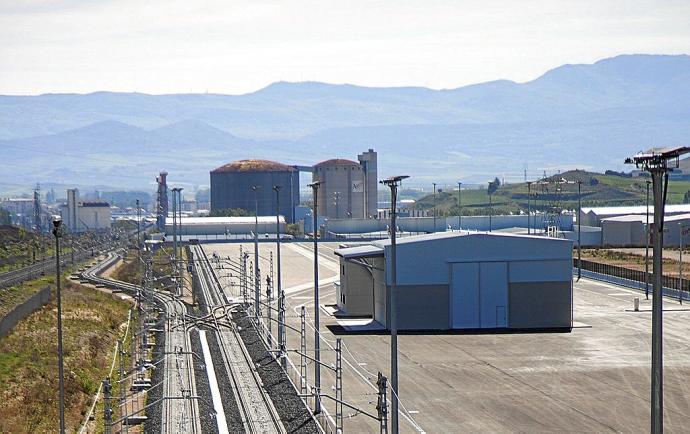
pixel 28 360
pixel 597 190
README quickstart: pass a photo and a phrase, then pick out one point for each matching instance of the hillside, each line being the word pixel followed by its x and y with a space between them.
pixel 597 190
pixel 587 116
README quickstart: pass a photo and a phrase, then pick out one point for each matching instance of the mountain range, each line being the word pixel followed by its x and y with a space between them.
pixel 574 116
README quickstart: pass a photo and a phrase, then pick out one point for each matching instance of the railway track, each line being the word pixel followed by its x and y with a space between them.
pixel 258 412
pixel 179 409
pixel 15 277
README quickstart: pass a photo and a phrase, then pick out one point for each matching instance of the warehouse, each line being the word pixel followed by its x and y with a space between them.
pixel 225 225
pixel 594 216
pixel 630 230
pixel 461 280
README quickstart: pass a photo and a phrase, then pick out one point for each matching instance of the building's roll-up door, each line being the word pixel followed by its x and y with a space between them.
pixel 465 295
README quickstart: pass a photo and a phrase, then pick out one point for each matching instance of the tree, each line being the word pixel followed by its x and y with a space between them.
pixel 493 186
pixel 231 212
pixel 686 197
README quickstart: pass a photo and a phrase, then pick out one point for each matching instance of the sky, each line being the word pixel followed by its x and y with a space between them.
pixel 239 46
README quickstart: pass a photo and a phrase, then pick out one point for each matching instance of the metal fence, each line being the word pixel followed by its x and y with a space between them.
pixel 634 275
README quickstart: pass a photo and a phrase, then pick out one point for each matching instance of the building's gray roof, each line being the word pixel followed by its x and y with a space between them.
pixel 366 251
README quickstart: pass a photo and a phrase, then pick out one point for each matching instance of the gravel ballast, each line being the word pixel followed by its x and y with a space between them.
pixel 295 415
pixel 153 413
pixel 203 390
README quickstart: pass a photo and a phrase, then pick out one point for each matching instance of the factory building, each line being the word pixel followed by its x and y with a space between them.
pixel 348 189
pixel 84 216
pixel 462 280
pixel 231 187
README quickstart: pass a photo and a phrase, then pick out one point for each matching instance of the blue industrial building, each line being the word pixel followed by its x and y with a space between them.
pixel 462 280
pixel 231 187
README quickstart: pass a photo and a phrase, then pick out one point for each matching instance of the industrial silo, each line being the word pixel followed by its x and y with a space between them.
pixel 231 187
pixel 348 189
pixel 341 193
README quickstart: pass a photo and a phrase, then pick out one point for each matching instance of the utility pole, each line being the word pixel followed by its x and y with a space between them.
pixel 656 161
pixel 138 235
pixel 646 248
pixel 393 183
pixel 317 342
pixel 281 295
pixel 459 205
pixel 257 273
pixel 680 265
pixel 61 385
pixel 175 192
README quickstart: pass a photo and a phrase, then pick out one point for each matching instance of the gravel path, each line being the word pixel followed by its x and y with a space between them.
pixel 295 415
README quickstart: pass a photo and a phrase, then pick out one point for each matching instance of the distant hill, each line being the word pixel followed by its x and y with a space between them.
pixel 574 116
pixel 597 189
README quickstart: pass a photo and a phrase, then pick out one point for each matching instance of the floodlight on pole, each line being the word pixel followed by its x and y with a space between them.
pixel 658 162
pixel 317 341
pixel 57 232
pixel 393 183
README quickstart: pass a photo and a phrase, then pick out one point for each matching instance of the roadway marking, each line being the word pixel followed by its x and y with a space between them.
pixel 328 263
pixel 213 385
pixel 309 285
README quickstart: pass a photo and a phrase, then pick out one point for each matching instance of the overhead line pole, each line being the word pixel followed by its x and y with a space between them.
pixel 317 344
pixel 281 295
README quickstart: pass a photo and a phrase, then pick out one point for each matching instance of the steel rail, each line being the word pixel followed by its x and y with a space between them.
pixel 258 412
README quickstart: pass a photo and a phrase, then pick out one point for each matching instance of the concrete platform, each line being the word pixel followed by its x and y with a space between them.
pixel 594 379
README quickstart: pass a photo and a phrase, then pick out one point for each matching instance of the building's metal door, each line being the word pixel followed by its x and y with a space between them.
pixel 501 320
pixel 493 292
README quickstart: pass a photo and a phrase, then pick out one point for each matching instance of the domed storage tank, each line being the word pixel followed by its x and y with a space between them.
pixel 231 187
pixel 342 189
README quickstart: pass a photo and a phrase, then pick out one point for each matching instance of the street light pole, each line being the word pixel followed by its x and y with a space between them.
pixel 281 295
pixel 257 273
pixel 680 265
pixel 658 162
pixel 491 208
pixel 434 206
pixel 317 344
pixel 646 248
pixel 58 233
pixel 579 226
pixel 393 183
pixel 529 208
pixel 459 205
pixel 180 283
